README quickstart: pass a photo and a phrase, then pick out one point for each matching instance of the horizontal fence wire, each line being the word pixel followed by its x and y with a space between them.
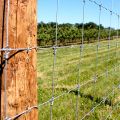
pixel 17 49
pixel 72 46
pixel 103 7
pixel 53 47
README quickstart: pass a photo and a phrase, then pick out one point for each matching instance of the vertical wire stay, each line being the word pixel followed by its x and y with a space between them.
pixel 113 64
pixel 117 38
pixel 108 47
pixel 109 39
pixel 6 57
pixel 115 45
pixel 82 45
pixel 98 43
pixel 97 50
pixel 54 64
pixel 80 59
pixel 110 30
pixel 56 24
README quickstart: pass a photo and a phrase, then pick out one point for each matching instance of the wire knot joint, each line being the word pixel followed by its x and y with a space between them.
pixel 6 55
pixel 54 50
pixel 7 118
pixel 52 101
pixel 28 50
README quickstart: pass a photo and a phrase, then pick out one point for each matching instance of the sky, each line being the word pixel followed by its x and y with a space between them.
pixel 70 11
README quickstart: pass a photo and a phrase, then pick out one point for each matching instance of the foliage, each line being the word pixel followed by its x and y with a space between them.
pixel 71 33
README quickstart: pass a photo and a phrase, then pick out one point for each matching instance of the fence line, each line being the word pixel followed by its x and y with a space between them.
pixel 53 98
pixel 7 50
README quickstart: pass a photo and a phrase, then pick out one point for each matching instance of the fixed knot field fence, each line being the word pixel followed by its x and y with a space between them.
pixel 83 83
pixel 77 81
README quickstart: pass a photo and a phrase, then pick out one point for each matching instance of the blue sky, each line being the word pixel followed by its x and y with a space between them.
pixel 70 11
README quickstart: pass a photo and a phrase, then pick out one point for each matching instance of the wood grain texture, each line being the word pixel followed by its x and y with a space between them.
pixel 21 71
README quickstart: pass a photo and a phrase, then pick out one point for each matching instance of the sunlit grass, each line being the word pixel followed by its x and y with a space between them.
pixel 68 65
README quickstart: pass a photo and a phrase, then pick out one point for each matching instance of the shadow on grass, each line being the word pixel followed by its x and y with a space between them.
pixel 93 98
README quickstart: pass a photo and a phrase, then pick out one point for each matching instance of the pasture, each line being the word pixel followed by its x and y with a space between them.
pixel 98 74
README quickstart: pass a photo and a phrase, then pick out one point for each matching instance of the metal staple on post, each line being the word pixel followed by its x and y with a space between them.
pixel 27 58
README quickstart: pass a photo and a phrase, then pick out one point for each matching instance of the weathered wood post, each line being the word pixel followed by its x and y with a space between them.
pixel 21 84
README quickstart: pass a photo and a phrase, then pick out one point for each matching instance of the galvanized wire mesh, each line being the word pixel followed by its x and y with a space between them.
pixel 70 82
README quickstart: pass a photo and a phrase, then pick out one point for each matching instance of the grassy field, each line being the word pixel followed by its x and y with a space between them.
pixel 71 68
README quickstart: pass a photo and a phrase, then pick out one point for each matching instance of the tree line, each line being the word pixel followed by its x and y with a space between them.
pixel 72 33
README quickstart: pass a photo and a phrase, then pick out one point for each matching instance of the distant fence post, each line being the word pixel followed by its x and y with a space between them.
pixel 21 82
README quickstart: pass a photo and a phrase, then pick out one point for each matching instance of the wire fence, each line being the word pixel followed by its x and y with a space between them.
pixel 81 76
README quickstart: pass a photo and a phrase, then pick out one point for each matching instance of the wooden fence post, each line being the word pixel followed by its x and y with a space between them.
pixel 21 85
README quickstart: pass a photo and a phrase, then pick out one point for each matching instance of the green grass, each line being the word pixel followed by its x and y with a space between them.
pixel 67 75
